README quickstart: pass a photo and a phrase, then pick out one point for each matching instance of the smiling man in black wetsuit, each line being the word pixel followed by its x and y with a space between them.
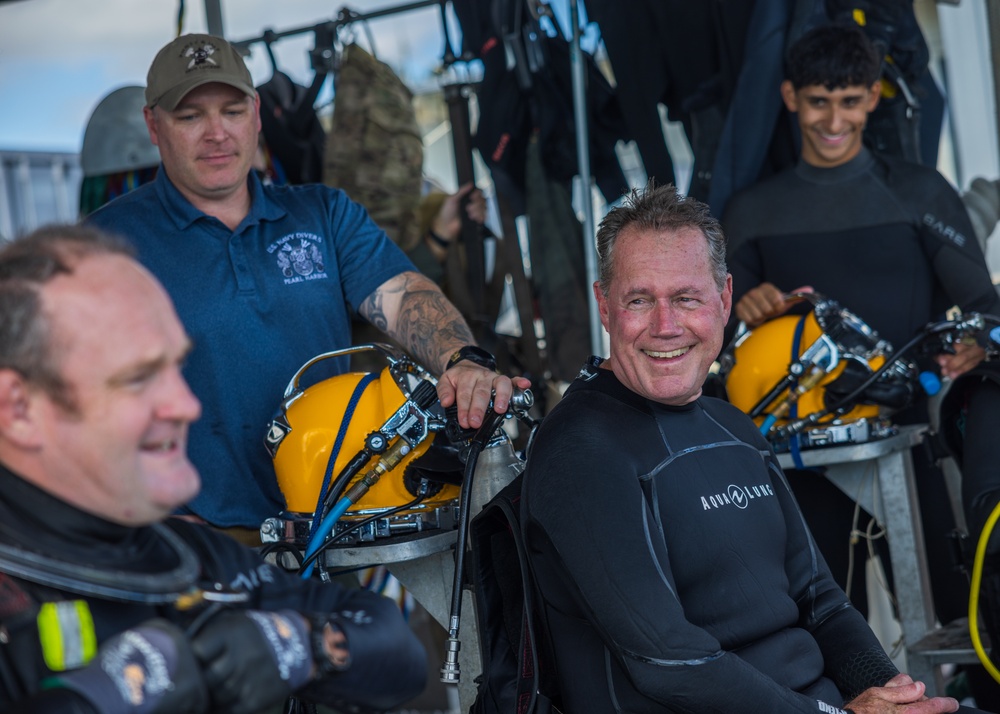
pixel 888 239
pixel 892 242
pixel 675 570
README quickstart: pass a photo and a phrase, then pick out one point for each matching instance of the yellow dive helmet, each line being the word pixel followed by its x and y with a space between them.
pixel 795 366
pixel 366 418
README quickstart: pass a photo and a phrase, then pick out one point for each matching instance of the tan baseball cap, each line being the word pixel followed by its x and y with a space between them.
pixel 191 61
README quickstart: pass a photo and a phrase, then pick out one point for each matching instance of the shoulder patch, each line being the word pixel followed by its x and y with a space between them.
pixel 66 632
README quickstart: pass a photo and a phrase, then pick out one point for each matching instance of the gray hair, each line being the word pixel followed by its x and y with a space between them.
pixel 659 208
pixel 26 265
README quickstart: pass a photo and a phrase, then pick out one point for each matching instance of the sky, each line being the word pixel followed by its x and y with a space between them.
pixel 59 58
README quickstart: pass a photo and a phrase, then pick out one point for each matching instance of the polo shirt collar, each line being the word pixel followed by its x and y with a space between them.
pixel 262 206
pixel 182 213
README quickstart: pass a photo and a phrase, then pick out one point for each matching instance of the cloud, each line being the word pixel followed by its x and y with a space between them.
pixel 70 30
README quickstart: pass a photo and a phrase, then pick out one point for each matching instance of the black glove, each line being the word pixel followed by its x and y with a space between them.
pixel 149 669
pixel 254 659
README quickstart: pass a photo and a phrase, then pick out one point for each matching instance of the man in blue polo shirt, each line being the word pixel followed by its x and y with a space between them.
pixel 265 278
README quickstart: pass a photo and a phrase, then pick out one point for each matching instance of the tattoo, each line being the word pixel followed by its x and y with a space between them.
pixel 427 325
pixel 371 310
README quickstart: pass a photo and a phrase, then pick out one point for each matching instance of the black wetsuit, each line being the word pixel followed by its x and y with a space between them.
pixel 676 570
pixel 32 520
pixel 892 242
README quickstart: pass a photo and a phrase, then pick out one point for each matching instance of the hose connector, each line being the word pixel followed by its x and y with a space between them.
pixel 451 673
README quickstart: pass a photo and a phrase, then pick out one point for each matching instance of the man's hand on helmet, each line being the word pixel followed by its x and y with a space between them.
pixel 470 381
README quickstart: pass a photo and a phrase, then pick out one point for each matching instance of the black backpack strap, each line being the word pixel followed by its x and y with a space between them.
pixel 505 611
pixel 527 650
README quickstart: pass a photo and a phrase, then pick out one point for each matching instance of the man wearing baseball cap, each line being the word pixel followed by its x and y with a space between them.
pixel 191 61
pixel 265 278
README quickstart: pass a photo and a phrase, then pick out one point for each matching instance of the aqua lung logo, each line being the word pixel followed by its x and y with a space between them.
pixel 829 708
pixel 738 496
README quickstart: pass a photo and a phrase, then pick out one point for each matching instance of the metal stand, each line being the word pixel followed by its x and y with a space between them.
pixel 345 17
pixel 879 475
pixel 424 565
pixel 579 74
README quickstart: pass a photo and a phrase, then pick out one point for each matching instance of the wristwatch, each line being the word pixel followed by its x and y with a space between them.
pixel 474 354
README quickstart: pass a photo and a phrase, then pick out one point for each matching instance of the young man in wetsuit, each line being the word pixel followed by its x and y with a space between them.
pixel 890 241
pixel 675 570
pixel 106 605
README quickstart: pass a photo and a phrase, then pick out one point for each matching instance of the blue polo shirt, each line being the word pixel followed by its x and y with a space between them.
pixel 257 302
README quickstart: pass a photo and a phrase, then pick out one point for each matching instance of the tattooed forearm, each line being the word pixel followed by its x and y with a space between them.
pixel 412 310
pixel 371 310
pixel 430 329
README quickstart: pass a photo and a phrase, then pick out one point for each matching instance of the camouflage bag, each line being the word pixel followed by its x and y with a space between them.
pixel 374 151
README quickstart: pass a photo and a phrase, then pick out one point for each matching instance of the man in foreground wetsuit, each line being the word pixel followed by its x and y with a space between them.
pixel 106 605
pixel 675 570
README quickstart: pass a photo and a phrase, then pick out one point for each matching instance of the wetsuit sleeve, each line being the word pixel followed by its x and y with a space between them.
pixel 854 659
pixel 743 259
pixel 950 243
pixel 602 542
pixel 388 663
pixel 747 269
